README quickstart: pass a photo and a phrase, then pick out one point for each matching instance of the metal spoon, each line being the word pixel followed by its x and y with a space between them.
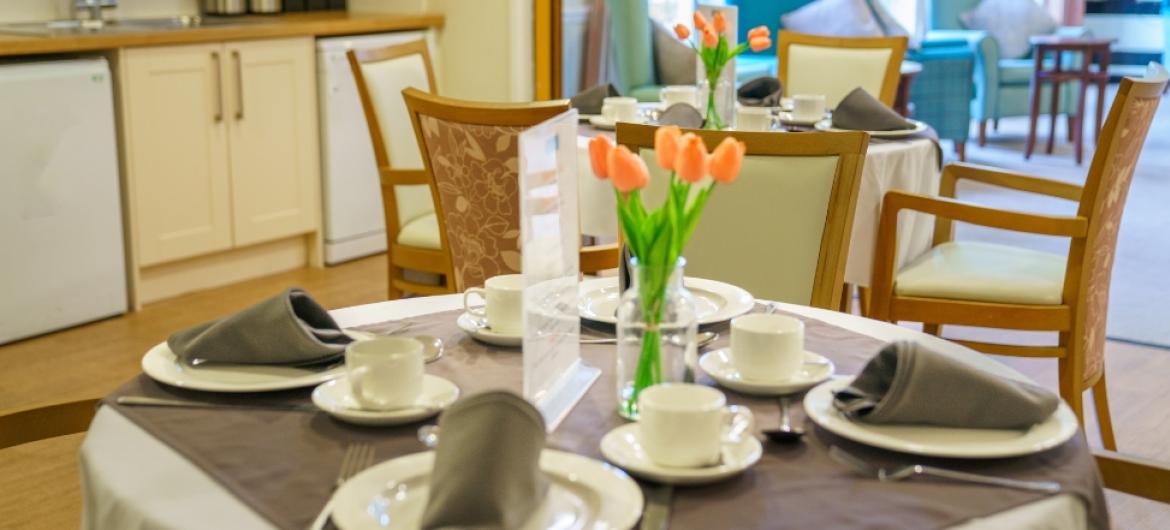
pixel 701 339
pixel 432 347
pixel 786 433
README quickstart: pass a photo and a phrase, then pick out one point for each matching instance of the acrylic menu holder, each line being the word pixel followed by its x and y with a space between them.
pixel 555 379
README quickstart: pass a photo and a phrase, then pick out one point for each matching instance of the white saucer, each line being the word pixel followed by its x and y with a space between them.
pixel 603 123
pixel 718 365
pixel 787 118
pixel 583 494
pixel 336 398
pixel 467 323
pixel 623 448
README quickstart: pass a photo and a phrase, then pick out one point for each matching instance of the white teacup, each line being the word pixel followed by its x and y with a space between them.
pixel 686 425
pixel 503 298
pixel 385 372
pixel 806 107
pixel 767 347
pixel 753 118
pixel 615 109
pixel 679 94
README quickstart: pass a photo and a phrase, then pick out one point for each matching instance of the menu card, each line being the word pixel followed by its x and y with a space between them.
pixel 555 379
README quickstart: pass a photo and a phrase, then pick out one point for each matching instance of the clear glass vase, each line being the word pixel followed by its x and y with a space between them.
pixel 718 103
pixel 656 326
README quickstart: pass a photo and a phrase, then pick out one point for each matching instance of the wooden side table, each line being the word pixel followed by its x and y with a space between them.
pixel 1088 73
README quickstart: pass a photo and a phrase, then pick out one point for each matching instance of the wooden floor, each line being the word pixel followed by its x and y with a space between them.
pixel 90 360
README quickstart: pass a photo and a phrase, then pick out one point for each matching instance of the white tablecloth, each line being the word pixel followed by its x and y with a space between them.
pixel 130 480
pixel 907 166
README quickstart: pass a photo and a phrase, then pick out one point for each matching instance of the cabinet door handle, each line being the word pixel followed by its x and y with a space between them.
pixel 218 116
pixel 239 85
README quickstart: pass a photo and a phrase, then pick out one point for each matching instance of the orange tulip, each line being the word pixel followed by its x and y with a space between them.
pixel 691 161
pixel 627 170
pixel 759 31
pixel 720 22
pixel 700 21
pixel 710 39
pixel 726 160
pixel 666 140
pixel 599 149
pixel 682 31
pixel 760 44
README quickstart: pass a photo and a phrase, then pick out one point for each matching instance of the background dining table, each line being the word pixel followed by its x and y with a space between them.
pixel 910 165
pixel 133 480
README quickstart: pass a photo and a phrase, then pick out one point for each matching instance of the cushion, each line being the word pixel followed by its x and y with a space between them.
pixel 1011 23
pixel 422 233
pixel 843 18
pixel 984 272
pixel 674 61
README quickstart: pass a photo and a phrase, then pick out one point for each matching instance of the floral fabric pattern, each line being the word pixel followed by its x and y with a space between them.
pixel 476 171
pixel 1103 230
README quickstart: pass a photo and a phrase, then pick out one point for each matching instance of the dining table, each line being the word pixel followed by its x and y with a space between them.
pixel 166 468
pixel 910 165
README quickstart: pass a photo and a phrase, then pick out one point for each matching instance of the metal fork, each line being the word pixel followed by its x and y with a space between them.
pixel 902 472
pixel 357 457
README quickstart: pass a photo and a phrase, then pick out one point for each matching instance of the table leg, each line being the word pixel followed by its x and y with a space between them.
pixel 1101 87
pixel 1080 132
pixel 1053 110
pixel 1033 109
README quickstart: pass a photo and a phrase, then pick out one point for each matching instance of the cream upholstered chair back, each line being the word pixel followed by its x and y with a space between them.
pixel 1102 202
pixel 782 230
pixel 834 66
pixel 381 76
pixel 471 152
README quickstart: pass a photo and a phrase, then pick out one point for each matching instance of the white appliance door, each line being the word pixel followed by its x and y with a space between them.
pixel 60 210
pixel 354 223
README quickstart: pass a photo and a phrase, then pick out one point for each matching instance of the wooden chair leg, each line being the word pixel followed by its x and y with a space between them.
pixel 1070 387
pixel 932 329
pixel 864 295
pixel 982 133
pixel 392 292
pixel 961 150
pixel 1072 126
pixel 1104 419
pixel 1053 110
pixel 846 303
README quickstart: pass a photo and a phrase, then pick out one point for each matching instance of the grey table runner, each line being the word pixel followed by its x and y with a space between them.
pixel 283 464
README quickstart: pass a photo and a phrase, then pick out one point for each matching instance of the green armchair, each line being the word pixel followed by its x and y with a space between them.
pixel 1001 85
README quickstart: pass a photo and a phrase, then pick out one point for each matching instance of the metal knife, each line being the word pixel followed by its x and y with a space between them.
pixel 656 515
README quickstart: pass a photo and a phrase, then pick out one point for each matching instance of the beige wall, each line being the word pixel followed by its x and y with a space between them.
pixel 25 10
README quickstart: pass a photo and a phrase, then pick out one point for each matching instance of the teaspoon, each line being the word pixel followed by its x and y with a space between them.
pixel 786 433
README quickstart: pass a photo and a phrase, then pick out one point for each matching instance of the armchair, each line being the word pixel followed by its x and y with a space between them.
pixel 1001 84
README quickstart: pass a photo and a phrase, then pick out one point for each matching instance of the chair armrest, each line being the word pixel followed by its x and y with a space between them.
pixel 1134 475
pixel 952 173
pixel 886 245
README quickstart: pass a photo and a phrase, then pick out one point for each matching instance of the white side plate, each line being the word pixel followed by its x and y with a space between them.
pixel 161 364
pixel 583 493
pixel 939 441
pixel 715 301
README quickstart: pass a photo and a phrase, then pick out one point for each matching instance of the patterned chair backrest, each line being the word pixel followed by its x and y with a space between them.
pixel 1102 202
pixel 782 230
pixel 470 150
pixel 834 66
pixel 382 74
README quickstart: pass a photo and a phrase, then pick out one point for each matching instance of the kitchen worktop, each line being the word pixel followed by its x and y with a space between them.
pixel 257 27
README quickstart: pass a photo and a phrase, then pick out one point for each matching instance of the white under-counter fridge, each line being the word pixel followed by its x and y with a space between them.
pixel 354 222
pixel 62 258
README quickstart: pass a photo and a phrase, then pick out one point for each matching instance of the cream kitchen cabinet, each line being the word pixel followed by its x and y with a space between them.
pixel 220 153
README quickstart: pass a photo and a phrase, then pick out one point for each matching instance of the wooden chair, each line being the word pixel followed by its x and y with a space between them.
pixel 834 66
pixel 470 154
pixel 412 240
pixel 39 423
pixel 999 286
pixel 782 230
pixel 1134 475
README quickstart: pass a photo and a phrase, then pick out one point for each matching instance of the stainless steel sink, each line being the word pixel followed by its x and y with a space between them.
pixel 84 27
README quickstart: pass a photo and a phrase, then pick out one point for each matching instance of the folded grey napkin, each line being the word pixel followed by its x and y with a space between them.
pixel 487 465
pixel 860 111
pixel 682 115
pixel 589 101
pixel 290 328
pixel 907 383
pixel 760 92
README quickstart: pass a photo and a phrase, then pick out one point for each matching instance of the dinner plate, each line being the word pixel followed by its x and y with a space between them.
pixel 948 442
pixel 583 493
pixel 162 365
pixel 718 365
pixel 624 449
pixel 336 398
pixel 715 301
pixel 827 125
pixel 468 324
